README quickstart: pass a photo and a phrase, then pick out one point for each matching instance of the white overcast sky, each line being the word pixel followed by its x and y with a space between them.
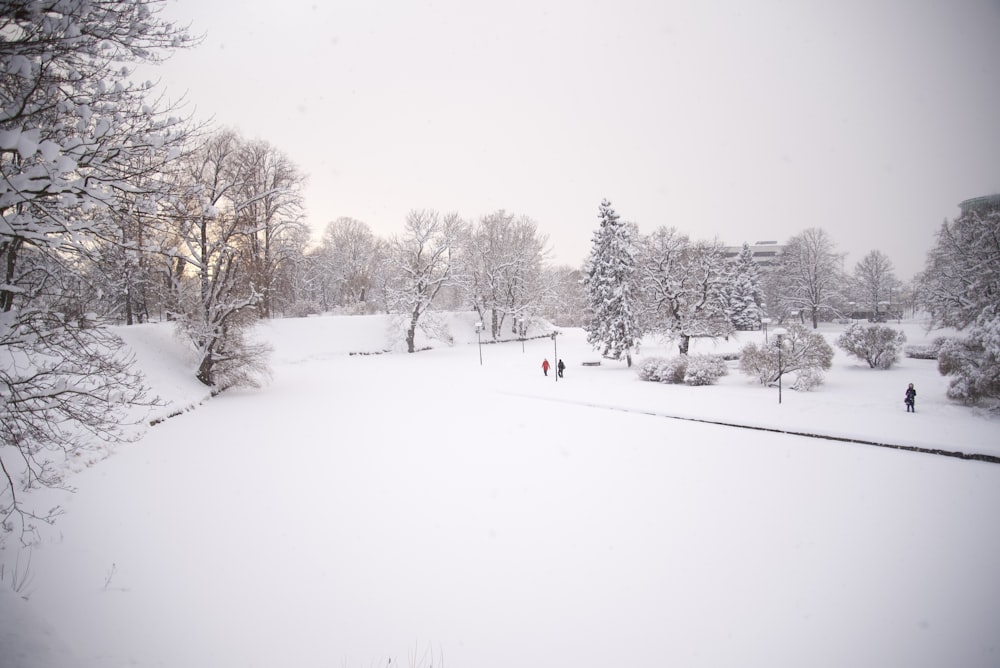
pixel 738 120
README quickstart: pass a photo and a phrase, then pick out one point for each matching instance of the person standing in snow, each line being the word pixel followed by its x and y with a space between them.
pixel 560 368
pixel 910 400
pixel 545 367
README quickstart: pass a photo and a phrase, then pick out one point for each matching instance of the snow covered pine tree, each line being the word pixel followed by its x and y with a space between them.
pixel 611 288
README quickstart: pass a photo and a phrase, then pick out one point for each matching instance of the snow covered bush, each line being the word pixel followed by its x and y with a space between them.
pixel 922 351
pixel 925 351
pixel 878 345
pixel 664 369
pixel 975 363
pixel 807 379
pixel 704 369
pixel 801 350
pixel 649 369
pixel 760 362
pixel 688 369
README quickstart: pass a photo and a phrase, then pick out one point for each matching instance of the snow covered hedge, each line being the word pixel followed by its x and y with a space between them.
pixel 689 369
pixel 925 351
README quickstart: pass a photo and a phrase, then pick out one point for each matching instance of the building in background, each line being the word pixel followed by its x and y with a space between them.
pixel 981 205
pixel 765 253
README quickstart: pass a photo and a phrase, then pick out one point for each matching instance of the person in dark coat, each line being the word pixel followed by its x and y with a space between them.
pixel 911 399
pixel 545 367
pixel 560 368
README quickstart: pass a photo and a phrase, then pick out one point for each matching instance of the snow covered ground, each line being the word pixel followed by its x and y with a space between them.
pixel 434 511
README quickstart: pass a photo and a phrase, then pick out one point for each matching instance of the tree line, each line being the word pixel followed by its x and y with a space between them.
pixel 667 284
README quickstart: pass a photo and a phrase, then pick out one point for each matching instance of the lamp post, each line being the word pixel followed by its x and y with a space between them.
pixel 555 358
pixel 479 328
pixel 765 322
pixel 780 332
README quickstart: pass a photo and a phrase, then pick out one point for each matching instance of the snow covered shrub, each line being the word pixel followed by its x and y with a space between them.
pixel 704 369
pixel 801 349
pixel 760 362
pixel 921 351
pixel 808 379
pixel 649 369
pixel 878 345
pixel 926 351
pixel 664 369
pixel 975 363
pixel 674 369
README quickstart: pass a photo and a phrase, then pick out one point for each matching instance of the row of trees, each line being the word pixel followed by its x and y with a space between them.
pixel 664 283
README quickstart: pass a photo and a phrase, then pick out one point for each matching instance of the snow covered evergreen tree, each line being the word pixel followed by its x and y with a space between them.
pixel 611 287
pixel 746 297
pixel 961 288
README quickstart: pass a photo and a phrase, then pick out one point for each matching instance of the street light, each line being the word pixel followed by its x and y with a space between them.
pixel 555 348
pixel 765 322
pixel 479 328
pixel 780 332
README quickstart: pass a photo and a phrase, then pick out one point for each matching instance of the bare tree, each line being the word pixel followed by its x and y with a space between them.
pixel 503 269
pixel 874 281
pixel 215 293
pixel 269 197
pixel 75 134
pixel 808 275
pixel 349 255
pixel 685 287
pixel 565 301
pixel 420 264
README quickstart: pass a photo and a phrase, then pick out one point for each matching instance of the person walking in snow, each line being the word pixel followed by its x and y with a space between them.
pixel 910 400
pixel 545 367
pixel 560 368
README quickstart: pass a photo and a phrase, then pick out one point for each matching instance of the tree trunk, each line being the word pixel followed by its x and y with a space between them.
pixel 205 374
pixel 684 344
pixel 411 332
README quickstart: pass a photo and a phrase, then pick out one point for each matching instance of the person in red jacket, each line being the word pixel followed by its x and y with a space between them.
pixel 545 367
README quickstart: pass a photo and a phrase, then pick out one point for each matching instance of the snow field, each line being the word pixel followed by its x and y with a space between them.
pixel 428 509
